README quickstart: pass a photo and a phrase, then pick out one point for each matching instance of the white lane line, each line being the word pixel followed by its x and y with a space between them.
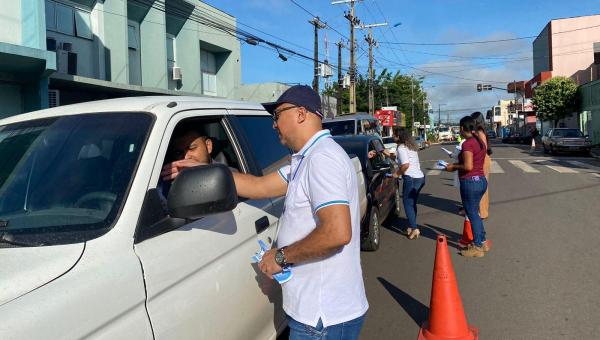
pixel 496 169
pixel 584 165
pixel 562 169
pixel 434 172
pixel 523 166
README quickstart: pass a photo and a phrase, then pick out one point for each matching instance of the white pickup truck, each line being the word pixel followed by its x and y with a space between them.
pixel 94 245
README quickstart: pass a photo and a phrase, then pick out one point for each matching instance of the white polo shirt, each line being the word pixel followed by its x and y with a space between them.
pixel 332 289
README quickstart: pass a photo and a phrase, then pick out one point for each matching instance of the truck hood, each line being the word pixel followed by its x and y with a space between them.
pixel 25 269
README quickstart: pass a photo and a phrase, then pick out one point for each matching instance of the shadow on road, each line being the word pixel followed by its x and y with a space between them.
pixel 415 309
pixel 431 232
pixel 438 203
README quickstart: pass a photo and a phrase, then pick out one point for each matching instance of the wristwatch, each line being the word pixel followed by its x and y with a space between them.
pixel 280 257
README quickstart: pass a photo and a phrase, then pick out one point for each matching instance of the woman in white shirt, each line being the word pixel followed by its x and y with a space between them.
pixel 412 176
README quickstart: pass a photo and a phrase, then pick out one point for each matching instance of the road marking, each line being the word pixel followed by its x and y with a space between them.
pixel 496 169
pixel 562 169
pixel 523 166
pixel 584 165
pixel 434 172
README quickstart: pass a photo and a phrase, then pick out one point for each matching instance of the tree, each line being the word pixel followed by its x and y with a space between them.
pixel 396 87
pixel 556 99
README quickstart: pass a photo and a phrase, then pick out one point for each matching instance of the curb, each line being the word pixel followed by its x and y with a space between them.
pixel 595 155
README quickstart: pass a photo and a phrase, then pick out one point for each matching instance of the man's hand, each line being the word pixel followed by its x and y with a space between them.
pixel 450 168
pixel 268 265
pixel 171 170
pixel 372 154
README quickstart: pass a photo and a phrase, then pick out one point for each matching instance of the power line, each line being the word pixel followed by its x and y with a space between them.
pixel 484 41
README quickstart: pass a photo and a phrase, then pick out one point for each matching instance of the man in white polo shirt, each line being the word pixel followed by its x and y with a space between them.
pixel 319 235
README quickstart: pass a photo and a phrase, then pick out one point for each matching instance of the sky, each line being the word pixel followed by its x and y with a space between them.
pixel 418 23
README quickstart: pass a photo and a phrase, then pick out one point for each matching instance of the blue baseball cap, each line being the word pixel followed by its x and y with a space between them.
pixel 300 95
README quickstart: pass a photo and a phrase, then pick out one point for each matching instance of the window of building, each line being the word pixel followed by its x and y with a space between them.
pixel 268 150
pixel 83 24
pixel 68 20
pixel 132 37
pixel 50 15
pixel 64 19
pixel 208 65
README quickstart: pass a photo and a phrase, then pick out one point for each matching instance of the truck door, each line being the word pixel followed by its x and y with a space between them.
pixel 200 281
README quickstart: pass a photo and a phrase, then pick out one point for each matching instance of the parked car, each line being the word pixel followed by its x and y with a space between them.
pixel 94 246
pixel 491 134
pixel 383 194
pixel 566 140
pixel 355 124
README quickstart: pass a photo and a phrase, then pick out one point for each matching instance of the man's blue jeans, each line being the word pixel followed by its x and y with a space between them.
pixel 471 191
pixel 411 187
pixel 349 330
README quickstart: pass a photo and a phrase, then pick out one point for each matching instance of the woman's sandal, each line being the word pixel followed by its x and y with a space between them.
pixel 414 234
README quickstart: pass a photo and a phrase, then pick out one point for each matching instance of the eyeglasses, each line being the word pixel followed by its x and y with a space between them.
pixel 277 113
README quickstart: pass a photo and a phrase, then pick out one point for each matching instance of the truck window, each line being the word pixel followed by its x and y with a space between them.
pixel 202 140
pixel 64 180
pixel 264 141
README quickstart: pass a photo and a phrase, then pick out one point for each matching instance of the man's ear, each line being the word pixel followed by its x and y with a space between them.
pixel 302 114
pixel 209 145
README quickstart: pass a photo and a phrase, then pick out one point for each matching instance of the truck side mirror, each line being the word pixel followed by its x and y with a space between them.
pixel 201 191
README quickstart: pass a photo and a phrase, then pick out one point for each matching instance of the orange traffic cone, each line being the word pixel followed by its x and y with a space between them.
pixel 467 236
pixel 447 320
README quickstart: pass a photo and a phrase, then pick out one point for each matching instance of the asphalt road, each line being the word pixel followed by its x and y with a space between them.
pixel 541 279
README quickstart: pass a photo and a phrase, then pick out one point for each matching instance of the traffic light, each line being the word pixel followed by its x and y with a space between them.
pixel 479 87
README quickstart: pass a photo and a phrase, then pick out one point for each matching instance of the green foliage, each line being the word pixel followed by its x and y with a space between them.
pixel 556 99
pixel 398 94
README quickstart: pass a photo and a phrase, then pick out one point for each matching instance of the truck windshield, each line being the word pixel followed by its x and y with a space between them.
pixel 342 127
pixel 64 179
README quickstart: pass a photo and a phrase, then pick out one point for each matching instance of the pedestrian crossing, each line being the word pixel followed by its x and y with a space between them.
pixel 538 166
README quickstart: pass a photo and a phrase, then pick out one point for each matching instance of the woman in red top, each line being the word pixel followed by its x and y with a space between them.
pixel 473 183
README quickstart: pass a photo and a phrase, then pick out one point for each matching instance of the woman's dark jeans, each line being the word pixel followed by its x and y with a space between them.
pixel 411 187
pixel 471 191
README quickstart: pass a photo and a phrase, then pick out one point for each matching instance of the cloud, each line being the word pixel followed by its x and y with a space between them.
pixel 457 87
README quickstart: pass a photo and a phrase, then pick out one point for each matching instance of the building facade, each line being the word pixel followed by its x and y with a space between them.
pixel 24 62
pixel 566 48
pixel 589 117
pixel 115 48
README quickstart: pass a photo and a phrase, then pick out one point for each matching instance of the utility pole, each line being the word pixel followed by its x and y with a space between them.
pixel 412 105
pixel 353 22
pixel 340 79
pixel 387 98
pixel 371 42
pixel 317 24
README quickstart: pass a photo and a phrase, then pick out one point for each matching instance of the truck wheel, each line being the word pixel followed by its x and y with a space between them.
pixel 545 148
pixel 552 151
pixel 370 241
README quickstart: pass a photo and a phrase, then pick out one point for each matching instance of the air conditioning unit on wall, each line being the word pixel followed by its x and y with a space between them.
pixel 53 98
pixel 176 73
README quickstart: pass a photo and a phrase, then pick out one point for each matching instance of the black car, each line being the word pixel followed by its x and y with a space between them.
pixel 383 193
